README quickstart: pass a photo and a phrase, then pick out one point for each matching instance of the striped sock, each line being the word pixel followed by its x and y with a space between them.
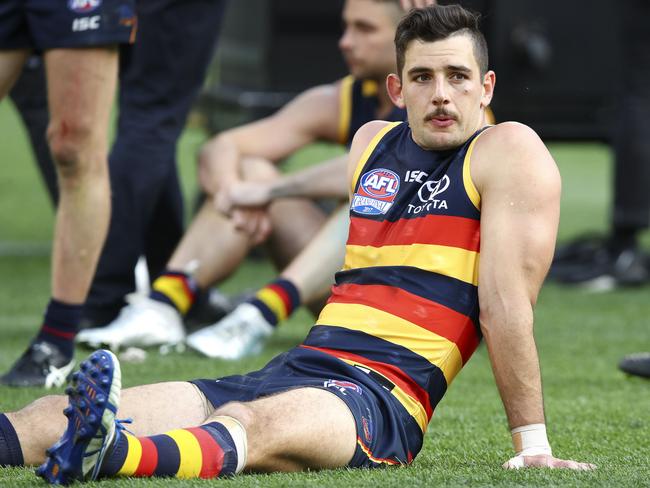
pixel 10 452
pixel 277 300
pixel 60 325
pixel 176 289
pixel 207 451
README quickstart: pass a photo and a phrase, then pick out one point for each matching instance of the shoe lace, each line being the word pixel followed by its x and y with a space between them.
pixel 119 425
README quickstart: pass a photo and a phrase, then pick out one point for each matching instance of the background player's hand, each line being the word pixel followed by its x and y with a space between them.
pixel 254 222
pixel 546 461
pixel 250 194
pixel 222 201
pixel 409 4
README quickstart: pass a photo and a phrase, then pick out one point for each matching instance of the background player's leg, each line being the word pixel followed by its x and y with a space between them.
pixel 81 87
pixel 153 408
pixel 312 271
pixel 11 64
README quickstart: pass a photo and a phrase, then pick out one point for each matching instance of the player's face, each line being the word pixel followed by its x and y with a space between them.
pixel 443 91
pixel 367 41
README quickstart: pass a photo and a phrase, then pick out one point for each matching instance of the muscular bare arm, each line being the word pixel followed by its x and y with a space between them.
pixel 519 186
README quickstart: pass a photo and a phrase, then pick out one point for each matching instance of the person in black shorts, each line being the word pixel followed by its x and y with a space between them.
pixel 79 40
pixel 402 320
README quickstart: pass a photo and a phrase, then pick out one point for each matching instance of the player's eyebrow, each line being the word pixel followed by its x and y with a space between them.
pixel 415 70
pixel 460 67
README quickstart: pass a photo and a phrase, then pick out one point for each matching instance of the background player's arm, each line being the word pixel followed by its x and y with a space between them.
pixel 312 115
pixel 519 186
pixel 322 180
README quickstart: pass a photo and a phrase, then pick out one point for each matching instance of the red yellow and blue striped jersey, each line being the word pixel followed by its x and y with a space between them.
pixel 358 104
pixel 404 308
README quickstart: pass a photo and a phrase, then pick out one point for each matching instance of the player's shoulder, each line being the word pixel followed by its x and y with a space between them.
pixel 510 151
pixel 507 136
pixel 368 131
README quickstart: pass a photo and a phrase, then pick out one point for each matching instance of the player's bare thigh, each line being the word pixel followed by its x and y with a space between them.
pixel 299 429
pixel 11 64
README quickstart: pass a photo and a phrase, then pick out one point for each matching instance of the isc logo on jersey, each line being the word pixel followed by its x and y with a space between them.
pixel 83 6
pixel 377 190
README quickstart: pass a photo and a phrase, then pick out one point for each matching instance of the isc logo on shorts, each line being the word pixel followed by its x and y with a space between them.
pixel 377 190
pixel 83 6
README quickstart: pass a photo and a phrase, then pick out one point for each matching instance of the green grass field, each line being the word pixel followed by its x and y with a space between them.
pixel 594 412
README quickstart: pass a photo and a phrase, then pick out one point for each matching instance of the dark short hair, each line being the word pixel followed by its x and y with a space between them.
pixel 438 22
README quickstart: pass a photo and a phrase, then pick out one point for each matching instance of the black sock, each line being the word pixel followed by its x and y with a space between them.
pixel 10 452
pixel 624 238
pixel 60 325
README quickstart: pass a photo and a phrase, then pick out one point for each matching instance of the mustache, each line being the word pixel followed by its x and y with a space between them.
pixel 441 112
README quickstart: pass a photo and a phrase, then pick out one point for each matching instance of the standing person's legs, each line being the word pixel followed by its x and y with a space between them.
pixel 11 64
pixel 29 94
pixel 631 212
pixel 160 77
pixel 81 86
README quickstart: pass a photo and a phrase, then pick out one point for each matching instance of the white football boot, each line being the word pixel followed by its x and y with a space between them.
pixel 142 323
pixel 243 332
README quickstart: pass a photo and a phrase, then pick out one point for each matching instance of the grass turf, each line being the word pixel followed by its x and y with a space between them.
pixel 594 412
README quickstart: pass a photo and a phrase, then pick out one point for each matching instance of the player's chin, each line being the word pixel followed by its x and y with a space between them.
pixel 441 141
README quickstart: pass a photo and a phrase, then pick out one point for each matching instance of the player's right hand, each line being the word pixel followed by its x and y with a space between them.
pixel 546 461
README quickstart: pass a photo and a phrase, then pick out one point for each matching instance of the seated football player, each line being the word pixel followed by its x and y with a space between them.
pixel 402 320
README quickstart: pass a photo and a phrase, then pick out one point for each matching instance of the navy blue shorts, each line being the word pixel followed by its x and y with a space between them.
pixel 386 433
pixel 50 24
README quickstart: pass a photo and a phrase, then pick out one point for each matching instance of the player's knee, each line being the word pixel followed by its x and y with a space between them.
pixel 258 169
pixel 241 412
pixel 71 145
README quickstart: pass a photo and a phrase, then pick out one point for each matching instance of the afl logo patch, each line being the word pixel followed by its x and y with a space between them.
pixel 377 190
pixel 83 6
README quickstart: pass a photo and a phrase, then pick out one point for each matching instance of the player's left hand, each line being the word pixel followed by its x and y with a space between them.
pixel 409 4
pixel 546 461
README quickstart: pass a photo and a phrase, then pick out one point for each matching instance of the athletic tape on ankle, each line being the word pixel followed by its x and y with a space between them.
pixel 238 434
pixel 530 440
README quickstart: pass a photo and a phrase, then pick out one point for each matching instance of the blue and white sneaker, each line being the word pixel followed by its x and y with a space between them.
pixel 94 396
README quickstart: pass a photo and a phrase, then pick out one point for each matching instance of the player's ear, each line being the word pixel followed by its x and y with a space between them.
pixel 489 80
pixel 394 88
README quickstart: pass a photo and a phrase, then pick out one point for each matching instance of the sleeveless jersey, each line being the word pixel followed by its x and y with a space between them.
pixel 358 104
pixel 404 308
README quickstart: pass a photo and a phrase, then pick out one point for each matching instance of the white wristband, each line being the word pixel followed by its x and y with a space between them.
pixel 530 440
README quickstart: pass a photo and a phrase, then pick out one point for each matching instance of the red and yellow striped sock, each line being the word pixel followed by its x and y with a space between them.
pixel 277 300
pixel 176 289
pixel 207 451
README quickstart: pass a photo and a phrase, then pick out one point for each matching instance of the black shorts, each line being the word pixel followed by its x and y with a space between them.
pixel 386 432
pixel 50 24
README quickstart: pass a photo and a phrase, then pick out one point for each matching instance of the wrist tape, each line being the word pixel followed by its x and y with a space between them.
pixel 530 440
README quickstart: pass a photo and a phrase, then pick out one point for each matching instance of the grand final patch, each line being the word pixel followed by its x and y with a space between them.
pixel 83 6
pixel 377 190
